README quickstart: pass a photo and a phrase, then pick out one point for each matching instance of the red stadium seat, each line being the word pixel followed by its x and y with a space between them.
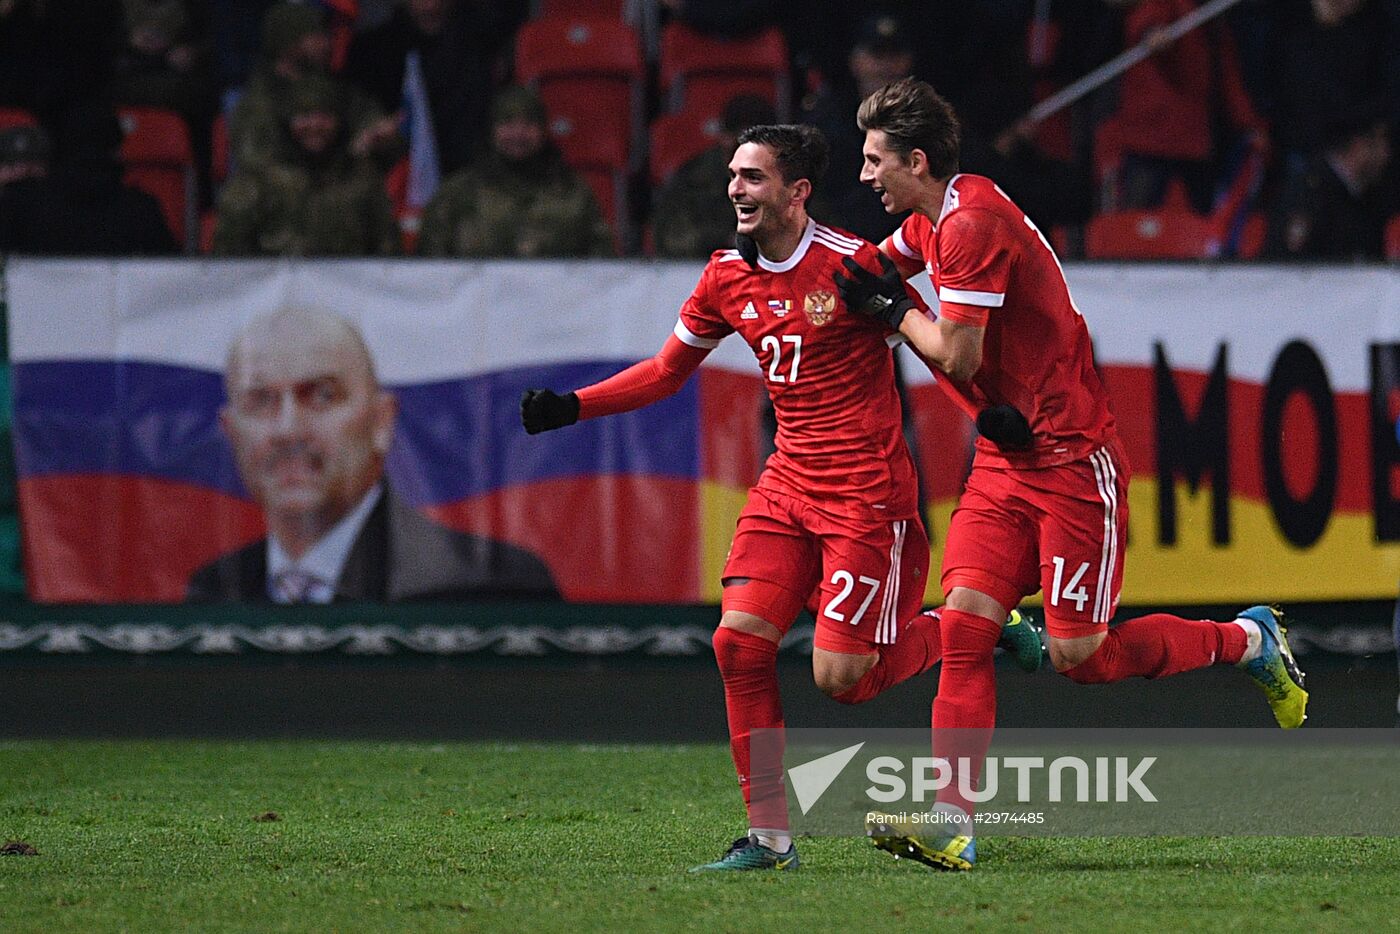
pixel 702 71
pixel 589 136
pixel 609 189
pixel 677 137
pixel 590 73
pixel 207 222
pixel 600 59
pixel 1252 235
pixel 594 143
pixel 1392 238
pixel 156 153
pixel 14 116
pixel 1163 234
pixel 594 9
pixel 218 150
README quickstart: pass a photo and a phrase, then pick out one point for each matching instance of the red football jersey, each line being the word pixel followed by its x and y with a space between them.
pixel 829 372
pixel 992 267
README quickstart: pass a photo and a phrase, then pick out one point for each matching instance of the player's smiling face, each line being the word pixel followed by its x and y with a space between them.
pixel 889 173
pixel 763 204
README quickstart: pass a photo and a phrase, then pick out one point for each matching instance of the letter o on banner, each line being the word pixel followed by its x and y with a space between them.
pixel 1298 369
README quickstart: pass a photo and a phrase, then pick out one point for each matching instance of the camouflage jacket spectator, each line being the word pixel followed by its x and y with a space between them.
pixel 255 132
pixel 693 215
pixel 296 209
pixel 499 208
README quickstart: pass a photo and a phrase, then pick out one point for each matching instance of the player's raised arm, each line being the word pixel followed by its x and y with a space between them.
pixel 641 384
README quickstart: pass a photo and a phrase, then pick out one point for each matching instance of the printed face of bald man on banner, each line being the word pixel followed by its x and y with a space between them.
pixel 309 423
pixel 310 428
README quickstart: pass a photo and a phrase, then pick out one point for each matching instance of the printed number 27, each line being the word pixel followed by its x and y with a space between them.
pixel 847 583
pixel 770 344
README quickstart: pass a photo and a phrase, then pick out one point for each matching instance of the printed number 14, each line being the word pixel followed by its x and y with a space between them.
pixel 1071 591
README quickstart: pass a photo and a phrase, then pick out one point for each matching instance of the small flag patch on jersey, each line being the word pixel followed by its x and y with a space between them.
pixel 749 311
pixel 780 307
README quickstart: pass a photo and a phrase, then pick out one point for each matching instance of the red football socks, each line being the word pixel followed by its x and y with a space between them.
pixel 918 648
pixel 1158 645
pixel 748 665
pixel 965 709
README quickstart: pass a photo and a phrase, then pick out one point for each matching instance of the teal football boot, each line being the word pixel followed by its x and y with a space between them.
pixel 747 853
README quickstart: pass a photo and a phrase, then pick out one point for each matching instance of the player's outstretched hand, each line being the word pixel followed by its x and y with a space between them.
pixel 545 410
pixel 1006 427
pixel 879 295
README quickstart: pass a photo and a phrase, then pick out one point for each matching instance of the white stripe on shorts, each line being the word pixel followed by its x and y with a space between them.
pixel 887 627
pixel 1106 476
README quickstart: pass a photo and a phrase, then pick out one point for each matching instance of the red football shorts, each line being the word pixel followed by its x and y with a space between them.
pixel 870 575
pixel 1059 529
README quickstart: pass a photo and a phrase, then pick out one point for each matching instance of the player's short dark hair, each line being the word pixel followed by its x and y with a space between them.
pixel 913 116
pixel 800 151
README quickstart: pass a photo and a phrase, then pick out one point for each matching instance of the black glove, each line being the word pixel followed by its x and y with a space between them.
pixel 1006 427
pixel 881 296
pixel 545 410
pixel 748 249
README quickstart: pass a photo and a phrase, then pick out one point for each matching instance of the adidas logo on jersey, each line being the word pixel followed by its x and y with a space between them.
pixel 749 311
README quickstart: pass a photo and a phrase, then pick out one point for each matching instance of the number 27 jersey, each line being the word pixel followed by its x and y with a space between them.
pixel 828 370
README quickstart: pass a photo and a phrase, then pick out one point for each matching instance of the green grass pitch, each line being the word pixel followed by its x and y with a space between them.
pixel 372 836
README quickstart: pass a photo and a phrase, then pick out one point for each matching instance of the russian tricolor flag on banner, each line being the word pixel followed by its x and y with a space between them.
pixel 128 484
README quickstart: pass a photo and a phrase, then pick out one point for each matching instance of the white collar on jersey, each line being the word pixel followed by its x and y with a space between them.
pixel 950 199
pixel 797 254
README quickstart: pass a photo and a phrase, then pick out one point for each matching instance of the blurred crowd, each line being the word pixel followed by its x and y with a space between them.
pixel 381 127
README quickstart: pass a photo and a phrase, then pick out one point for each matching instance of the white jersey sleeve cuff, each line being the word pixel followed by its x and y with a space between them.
pixel 965 297
pixel 903 247
pixel 687 336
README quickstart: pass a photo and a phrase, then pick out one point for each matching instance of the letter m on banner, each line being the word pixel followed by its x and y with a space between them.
pixel 1193 446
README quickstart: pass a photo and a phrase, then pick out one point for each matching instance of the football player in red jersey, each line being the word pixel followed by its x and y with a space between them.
pixel 835 510
pixel 1045 506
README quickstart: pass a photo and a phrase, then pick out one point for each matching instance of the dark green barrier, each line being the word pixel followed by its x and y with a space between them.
pixel 500 629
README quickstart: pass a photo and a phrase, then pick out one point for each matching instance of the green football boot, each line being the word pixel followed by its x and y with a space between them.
pixel 1021 640
pixel 747 853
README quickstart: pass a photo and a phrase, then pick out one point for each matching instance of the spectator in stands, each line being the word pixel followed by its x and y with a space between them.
pixel 166 64
pixel 693 215
pixel 24 153
pixel 882 53
pixel 310 428
pixel 454 61
pixel 57 54
pixel 296 44
pixel 520 200
pixel 81 208
pixel 1337 209
pixel 235 27
pixel 315 198
pixel 19 53
pixel 1333 57
pixel 1168 112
